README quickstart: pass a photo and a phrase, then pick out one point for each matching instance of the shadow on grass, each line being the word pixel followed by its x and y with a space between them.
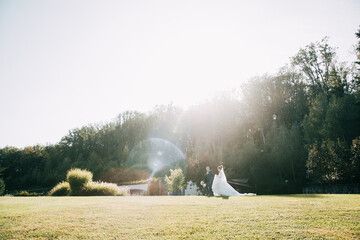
pixel 223 197
pixel 301 195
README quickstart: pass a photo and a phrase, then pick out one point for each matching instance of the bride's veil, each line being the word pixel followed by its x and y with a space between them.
pixel 223 174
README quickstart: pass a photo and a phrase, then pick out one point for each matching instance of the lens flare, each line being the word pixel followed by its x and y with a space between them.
pixel 155 154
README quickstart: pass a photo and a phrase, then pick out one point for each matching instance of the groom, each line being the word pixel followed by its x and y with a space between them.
pixel 209 178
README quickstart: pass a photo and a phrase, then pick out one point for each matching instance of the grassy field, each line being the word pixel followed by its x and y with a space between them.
pixel 183 217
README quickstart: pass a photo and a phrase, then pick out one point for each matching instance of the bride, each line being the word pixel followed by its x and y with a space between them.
pixel 220 185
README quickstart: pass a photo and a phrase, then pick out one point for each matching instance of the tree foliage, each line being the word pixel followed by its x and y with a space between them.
pixel 280 132
pixel 2 187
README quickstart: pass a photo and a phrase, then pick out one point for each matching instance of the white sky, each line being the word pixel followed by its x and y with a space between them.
pixel 68 63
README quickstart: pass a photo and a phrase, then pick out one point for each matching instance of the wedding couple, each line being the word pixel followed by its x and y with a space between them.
pixel 217 185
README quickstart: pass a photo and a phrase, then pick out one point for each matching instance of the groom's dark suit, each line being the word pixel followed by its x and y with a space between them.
pixel 209 178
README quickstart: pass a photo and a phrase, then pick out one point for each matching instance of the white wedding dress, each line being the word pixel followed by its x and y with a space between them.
pixel 221 187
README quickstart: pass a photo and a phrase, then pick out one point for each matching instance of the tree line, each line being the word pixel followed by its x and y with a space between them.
pixel 281 132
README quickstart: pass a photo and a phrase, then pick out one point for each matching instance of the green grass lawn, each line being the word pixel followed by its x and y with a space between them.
pixel 183 217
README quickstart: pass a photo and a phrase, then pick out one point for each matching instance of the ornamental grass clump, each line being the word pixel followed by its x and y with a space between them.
pixel 78 178
pixel 61 189
pixel 79 183
pixel 101 189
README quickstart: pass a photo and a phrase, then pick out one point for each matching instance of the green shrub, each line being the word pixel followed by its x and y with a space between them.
pixel 2 187
pixel 176 181
pixel 102 189
pixel 135 182
pixel 25 194
pixel 77 179
pixel 61 189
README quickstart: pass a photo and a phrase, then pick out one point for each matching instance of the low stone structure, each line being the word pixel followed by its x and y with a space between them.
pixel 137 189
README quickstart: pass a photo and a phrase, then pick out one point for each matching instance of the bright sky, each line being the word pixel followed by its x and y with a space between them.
pixel 69 63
